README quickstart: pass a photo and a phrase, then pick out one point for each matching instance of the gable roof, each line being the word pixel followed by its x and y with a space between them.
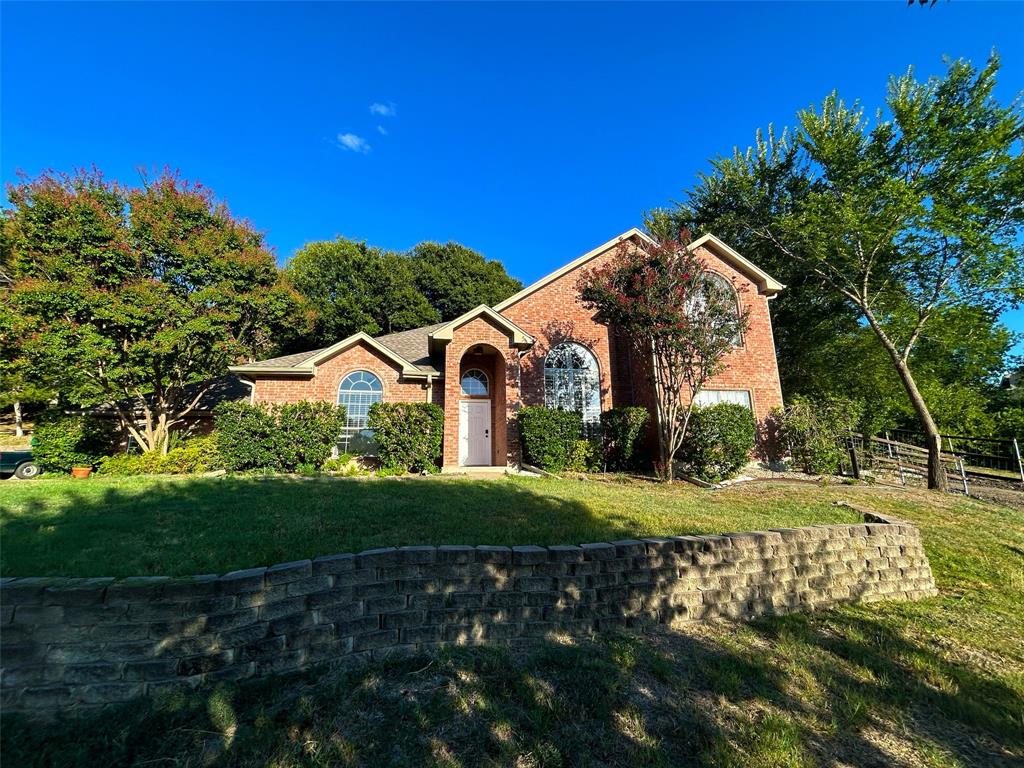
pixel 304 363
pixel 446 331
pixel 765 282
pixel 579 262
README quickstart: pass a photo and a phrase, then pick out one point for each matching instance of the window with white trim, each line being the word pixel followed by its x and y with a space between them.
pixel 719 289
pixel 474 383
pixel 357 392
pixel 572 381
pixel 708 397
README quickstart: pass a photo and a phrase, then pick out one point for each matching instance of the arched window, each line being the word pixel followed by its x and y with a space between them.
pixel 572 381
pixel 357 392
pixel 719 289
pixel 474 382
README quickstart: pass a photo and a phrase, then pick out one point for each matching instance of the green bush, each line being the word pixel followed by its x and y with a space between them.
pixel 549 436
pixel 408 435
pixel 584 456
pixel 622 428
pixel 61 442
pixel 278 437
pixel 194 455
pixel 816 432
pixel 718 441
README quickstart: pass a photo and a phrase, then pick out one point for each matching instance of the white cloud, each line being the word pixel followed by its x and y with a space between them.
pixel 382 130
pixel 353 142
pixel 384 110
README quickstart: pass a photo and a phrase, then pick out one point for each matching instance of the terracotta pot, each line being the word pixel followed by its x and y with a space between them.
pixel 81 471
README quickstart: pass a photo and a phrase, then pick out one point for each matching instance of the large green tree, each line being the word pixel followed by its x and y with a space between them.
pixel 900 219
pixel 455 279
pixel 354 287
pixel 132 293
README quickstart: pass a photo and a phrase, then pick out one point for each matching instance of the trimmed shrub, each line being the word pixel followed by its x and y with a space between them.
pixel 279 437
pixel 816 432
pixel 718 441
pixel 584 456
pixel 61 442
pixel 621 428
pixel 195 455
pixel 408 435
pixel 549 436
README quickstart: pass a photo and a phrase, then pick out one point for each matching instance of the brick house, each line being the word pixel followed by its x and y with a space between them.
pixel 540 346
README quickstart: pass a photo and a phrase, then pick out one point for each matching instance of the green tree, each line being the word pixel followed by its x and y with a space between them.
pixel 355 287
pixel 135 292
pixel 903 218
pixel 659 296
pixel 455 279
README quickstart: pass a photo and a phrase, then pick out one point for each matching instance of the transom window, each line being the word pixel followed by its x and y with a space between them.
pixel 357 392
pixel 474 382
pixel 572 381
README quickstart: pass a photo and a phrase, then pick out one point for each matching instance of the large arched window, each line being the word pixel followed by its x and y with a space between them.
pixel 721 291
pixel 357 392
pixel 572 381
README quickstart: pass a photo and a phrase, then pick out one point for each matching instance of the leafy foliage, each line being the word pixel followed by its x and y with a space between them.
pixel 661 297
pixel 279 437
pixel 454 279
pixel 549 437
pixel 195 455
pixel 61 442
pixel 621 429
pixel 355 287
pixel 816 432
pixel 408 435
pixel 135 293
pixel 719 441
pixel 906 220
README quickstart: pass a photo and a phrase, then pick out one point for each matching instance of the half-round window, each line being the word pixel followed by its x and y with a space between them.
pixel 357 392
pixel 474 382
pixel 572 381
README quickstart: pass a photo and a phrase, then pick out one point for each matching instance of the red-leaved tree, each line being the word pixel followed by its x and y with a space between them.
pixel 662 297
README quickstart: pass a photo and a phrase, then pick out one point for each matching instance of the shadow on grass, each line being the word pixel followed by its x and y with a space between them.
pixel 714 696
pixel 190 526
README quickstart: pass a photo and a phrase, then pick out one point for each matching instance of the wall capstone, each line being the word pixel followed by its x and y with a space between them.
pixel 76 643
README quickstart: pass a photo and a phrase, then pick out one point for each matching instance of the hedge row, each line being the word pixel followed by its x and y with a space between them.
pixel 556 441
pixel 408 435
pixel 288 437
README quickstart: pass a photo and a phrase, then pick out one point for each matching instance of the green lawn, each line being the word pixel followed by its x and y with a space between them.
pixel 934 683
pixel 178 526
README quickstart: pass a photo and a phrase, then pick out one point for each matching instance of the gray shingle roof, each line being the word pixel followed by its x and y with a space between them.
pixel 412 345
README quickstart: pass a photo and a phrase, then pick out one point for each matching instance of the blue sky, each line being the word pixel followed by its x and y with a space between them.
pixel 530 132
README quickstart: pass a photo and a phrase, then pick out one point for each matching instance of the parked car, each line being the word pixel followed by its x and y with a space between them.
pixel 19 464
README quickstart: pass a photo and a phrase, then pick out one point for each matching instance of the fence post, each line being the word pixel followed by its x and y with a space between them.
pixel 1020 467
pixel 854 464
pixel 963 475
pixel 899 465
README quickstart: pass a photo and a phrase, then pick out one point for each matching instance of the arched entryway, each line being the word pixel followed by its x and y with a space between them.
pixel 481 422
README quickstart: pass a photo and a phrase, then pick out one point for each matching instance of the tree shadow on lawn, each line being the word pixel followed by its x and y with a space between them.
pixel 194 526
pixel 698 697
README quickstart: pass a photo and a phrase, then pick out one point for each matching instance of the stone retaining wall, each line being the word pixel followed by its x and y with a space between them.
pixel 88 642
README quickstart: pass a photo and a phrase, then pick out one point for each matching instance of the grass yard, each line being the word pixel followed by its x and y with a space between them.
pixel 934 683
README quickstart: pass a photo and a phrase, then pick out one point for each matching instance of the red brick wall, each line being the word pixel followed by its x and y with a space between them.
pixel 324 385
pixel 555 314
pixel 502 368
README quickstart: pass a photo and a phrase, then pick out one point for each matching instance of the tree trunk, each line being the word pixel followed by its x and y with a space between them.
pixel 19 431
pixel 936 475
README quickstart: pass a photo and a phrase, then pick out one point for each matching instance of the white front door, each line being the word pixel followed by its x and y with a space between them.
pixel 475 433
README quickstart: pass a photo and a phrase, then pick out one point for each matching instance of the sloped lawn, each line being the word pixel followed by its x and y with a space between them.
pixel 934 683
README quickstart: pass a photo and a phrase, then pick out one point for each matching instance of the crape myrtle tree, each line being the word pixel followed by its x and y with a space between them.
pixel 134 293
pixel 659 295
pixel 903 218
